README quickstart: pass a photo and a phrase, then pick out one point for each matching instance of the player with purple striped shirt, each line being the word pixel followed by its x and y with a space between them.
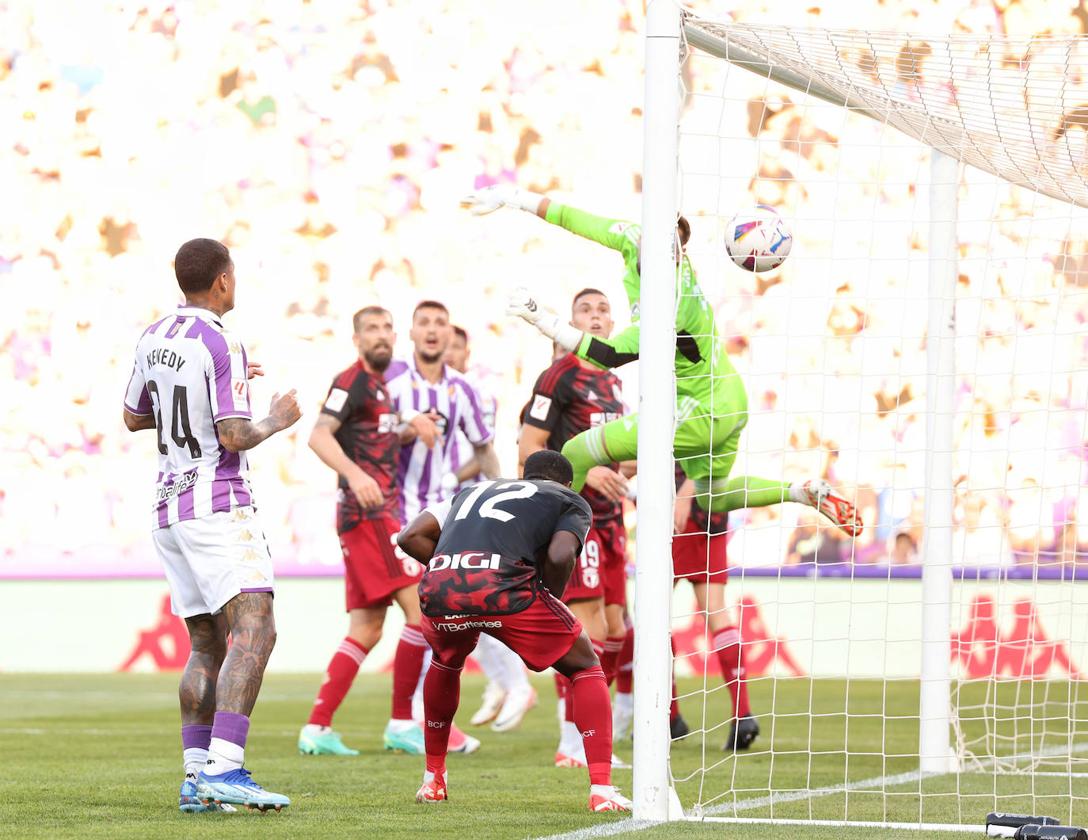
pixel 426 385
pixel 190 383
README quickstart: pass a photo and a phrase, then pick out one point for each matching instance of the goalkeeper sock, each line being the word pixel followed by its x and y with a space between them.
pixel 441 696
pixel 577 451
pixel 594 721
pixel 731 658
pixel 744 491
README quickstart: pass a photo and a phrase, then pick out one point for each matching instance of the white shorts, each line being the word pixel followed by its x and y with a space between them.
pixel 210 560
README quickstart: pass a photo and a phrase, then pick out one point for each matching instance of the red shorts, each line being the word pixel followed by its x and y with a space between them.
pixel 601 568
pixel 541 634
pixel 699 557
pixel 374 568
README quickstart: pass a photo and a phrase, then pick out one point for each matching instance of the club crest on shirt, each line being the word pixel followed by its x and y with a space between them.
pixel 387 423
pixel 541 406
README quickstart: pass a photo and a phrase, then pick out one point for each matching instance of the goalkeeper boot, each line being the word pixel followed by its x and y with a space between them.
pixel 743 732
pixel 433 789
pixel 817 493
pixel 678 728
pixel 460 742
pixel 189 804
pixel 604 798
pixel 236 787
pixel 404 736
pixel 322 740
pixel 492 703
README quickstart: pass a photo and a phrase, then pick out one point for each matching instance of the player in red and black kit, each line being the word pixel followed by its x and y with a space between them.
pixel 569 397
pixel 498 554
pixel 699 555
pixel 357 436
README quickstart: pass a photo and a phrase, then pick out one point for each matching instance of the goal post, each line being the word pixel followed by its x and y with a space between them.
pixel 922 349
pixel 657 381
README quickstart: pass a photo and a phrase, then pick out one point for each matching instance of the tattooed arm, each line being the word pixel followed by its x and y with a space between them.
pixel 238 433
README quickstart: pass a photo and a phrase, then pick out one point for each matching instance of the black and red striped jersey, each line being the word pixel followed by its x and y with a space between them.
pixel 567 400
pixel 368 436
pixel 494 536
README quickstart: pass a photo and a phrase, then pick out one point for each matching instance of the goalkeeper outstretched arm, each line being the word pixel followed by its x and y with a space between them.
pixel 617 234
pixel 602 352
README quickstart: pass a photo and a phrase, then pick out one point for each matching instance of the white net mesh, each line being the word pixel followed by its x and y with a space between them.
pixel 832 349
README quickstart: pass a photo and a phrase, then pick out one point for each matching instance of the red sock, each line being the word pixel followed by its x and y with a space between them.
pixel 407 664
pixel 727 644
pixel 594 709
pixel 339 676
pixel 612 647
pixel 441 695
pixel 624 670
pixel 568 702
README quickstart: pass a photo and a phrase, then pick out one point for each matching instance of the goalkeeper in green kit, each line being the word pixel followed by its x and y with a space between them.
pixel 712 405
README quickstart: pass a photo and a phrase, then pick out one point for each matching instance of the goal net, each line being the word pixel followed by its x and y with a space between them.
pixel 924 349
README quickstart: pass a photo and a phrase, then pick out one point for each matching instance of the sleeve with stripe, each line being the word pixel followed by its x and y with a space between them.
pixel 471 415
pixel 137 400
pixel 610 352
pixel 226 371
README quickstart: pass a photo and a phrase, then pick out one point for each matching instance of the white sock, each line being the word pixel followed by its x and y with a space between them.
pixel 316 729
pixel 398 725
pixel 515 677
pixel 417 697
pixel 489 656
pixel 570 739
pixel 624 700
pixel 194 760
pixel 224 756
pixel 602 790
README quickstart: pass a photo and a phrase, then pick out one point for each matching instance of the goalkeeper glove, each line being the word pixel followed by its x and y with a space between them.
pixel 490 199
pixel 522 305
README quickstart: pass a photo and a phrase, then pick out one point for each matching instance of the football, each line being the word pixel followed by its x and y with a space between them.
pixel 757 239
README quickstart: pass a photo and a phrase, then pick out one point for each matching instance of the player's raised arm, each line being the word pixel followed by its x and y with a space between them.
pixel 612 233
pixel 238 434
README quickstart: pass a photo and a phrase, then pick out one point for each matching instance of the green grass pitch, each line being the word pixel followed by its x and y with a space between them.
pixel 99 756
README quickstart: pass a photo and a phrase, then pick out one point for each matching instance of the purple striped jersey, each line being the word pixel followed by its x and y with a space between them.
pixel 458 406
pixel 189 374
pixel 462 451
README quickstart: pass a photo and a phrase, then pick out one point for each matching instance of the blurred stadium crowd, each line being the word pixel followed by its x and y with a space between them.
pixel 327 144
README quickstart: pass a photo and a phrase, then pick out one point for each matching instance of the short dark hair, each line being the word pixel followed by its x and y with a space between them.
pixel 367 311
pixel 429 304
pixel 198 262
pixel 588 290
pixel 461 333
pixel 549 465
pixel 685 229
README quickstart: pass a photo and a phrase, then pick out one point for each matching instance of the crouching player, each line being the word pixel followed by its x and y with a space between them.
pixel 498 556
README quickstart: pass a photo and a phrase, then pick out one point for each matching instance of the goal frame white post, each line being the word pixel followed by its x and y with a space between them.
pixel 653 796
pixel 652 784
